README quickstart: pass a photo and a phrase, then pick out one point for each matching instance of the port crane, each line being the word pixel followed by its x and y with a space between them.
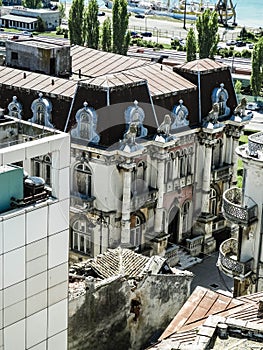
pixel 226 11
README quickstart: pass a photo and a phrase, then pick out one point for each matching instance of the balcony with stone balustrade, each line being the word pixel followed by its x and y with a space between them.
pixel 239 209
pixel 228 261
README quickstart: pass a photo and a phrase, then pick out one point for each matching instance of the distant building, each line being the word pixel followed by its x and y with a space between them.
pixel 152 148
pixel 34 225
pixel 124 294
pixel 241 256
pixel 25 19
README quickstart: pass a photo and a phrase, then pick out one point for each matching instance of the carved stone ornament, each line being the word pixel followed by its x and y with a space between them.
pixel 41 108
pixel 15 108
pixel 85 129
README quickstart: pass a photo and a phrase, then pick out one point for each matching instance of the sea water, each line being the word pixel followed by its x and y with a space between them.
pixel 249 12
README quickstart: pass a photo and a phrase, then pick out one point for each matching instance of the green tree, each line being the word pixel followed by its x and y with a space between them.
pixel 208 38
pixel 91 25
pixel 191 46
pixel 32 4
pixel 62 10
pixel 257 68
pixel 41 25
pixel 120 21
pixel 106 35
pixel 75 22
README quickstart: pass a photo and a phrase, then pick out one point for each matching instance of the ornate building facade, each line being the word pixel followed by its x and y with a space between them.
pixel 152 149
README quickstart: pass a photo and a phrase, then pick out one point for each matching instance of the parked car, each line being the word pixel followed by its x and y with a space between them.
pixel 139 15
pixel 251 46
pixel 27 34
pixel 101 13
pixel 137 36
pixel 148 34
pixel 230 42
pixel 240 43
pixel 252 106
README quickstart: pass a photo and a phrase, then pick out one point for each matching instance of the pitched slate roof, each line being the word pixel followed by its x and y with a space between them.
pixel 205 65
pixel 93 63
pixel 203 309
pixel 124 262
pixel 37 82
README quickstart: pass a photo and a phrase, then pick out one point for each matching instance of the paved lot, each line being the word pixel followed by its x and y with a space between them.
pixel 208 275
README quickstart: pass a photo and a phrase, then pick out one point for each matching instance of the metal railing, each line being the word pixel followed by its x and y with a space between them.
pixel 239 209
pixel 228 263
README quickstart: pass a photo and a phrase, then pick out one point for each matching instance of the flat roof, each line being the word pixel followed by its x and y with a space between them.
pixel 20 18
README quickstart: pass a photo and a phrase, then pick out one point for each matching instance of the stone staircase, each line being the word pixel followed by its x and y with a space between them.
pixel 186 260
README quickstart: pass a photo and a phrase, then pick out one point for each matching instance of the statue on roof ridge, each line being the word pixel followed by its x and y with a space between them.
pixel 135 114
pixel 220 96
pixel 180 114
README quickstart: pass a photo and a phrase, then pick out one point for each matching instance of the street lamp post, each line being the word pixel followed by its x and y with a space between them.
pixel 157 34
pixel 146 23
pixel 184 14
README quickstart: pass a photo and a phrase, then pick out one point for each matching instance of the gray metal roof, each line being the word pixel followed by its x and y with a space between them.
pixel 37 82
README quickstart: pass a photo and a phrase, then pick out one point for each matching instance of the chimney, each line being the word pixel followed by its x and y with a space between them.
pixel 222 330
pixel 260 308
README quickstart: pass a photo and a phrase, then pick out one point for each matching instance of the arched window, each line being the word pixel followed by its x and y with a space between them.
pixel 213 201
pixel 42 167
pixel 81 236
pixel 82 180
pixel 136 230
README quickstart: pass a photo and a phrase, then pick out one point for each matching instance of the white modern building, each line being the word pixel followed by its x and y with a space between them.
pixel 34 235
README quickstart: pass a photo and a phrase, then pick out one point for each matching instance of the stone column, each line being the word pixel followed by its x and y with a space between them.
pixel 206 179
pixel 160 185
pixel 234 160
pixel 126 204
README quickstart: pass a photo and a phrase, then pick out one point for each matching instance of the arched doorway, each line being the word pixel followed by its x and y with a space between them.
pixel 173 226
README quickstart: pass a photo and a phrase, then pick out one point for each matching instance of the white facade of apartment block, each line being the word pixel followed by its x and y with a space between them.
pixel 34 243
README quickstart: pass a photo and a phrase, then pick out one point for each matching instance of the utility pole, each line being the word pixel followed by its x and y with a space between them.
pixel 184 14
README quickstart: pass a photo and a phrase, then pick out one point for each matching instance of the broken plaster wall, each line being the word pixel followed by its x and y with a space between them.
pixel 115 315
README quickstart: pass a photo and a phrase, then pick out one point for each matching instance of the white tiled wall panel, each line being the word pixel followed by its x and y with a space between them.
pixel 41 346
pixel 36 249
pixel 58 274
pixel 36 303
pixel 14 313
pixel 58 249
pixel 61 182
pixel 1 237
pixel 14 267
pixel 58 341
pixel 57 293
pixel 36 223
pixel 36 266
pixel 14 294
pixel 14 233
pixel 57 318
pixel 14 336
pixel 58 216
pixel 36 328
pixel 1 272
pixel 36 284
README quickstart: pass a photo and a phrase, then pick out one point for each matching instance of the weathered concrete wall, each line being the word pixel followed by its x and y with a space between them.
pixel 119 315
